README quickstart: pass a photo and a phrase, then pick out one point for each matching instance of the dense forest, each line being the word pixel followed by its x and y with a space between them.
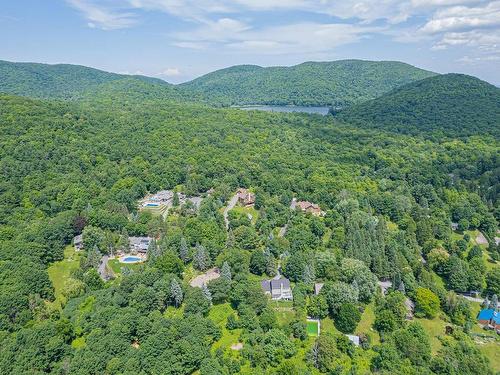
pixel 336 83
pixel 453 104
pixel 400 210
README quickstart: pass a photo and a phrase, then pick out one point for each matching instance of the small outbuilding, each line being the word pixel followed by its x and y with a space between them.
pixel 78 242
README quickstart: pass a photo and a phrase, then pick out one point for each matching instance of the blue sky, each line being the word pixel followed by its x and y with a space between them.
pixel 178 40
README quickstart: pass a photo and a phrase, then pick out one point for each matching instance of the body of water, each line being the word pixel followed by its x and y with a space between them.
pixel 286 108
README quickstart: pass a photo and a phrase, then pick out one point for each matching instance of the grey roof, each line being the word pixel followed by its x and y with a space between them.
pixel 78 239
pixel 141 243
pixel 277 284
pixel 266 285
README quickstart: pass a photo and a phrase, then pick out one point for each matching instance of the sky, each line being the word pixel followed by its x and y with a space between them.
pixel 178 40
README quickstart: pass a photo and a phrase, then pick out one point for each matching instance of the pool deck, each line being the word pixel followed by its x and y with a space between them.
pixel 141 258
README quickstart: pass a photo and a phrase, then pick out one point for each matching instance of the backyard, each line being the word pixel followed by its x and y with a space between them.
pixel 59 272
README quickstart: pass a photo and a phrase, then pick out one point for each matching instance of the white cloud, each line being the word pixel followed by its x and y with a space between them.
pixel 228 23
pixel 170 72
pixel 287 39
pixel 101 17
pixel 459 18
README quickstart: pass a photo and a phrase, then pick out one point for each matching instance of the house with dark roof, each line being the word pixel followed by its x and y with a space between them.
pixel 139 244
pixel 278 289
pixel 489 318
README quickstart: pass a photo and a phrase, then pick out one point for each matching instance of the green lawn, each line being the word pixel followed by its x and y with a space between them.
pixel 116 266
pixel 247 210
pixel 59 272
pixel 284 312
pixel 434 328
pixel 492 351
pixel 219 314
pixel 312 328
pixel 366 323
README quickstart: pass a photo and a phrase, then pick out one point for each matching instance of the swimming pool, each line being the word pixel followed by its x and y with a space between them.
pixel 130 259
pixel 152 204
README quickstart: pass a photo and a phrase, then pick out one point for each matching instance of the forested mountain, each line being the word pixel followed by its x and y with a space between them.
pixel 65 81
pixel 449 104
pixel 336 83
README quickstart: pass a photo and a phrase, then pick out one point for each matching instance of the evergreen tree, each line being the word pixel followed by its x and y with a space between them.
pixel 494 302
pixel 226 271
pixel 153 251
pixel 206 293
pixel 486 303
pixel 402 288
pixel 230 239
pixel 201 259
pixel 176 292
pixel 175 200
pixel 184 251
pixel 308 276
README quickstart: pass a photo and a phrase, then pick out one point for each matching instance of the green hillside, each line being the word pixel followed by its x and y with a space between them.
pixel 65 81
pixel 335 83
pixel 451 104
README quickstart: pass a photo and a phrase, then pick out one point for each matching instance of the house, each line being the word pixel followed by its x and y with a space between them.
pixel 318 287
pixel 161 198
pixel 489 318
pixel 245 197
pixel 354 339
pixel 78 242
pixel 139 244
pixel 278 289
pixel 309 207
pixel 454 226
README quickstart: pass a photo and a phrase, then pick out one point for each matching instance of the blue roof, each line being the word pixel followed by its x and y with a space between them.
pixel 487 314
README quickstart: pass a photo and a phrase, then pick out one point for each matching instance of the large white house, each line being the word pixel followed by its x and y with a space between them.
pixel 278 289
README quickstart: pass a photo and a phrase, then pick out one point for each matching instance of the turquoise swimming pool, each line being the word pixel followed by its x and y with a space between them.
pixel 131 259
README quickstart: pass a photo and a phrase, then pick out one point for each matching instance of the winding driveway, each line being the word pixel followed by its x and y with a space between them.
pixel 229 207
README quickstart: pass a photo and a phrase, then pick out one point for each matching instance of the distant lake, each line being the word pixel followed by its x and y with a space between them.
pixel 285 108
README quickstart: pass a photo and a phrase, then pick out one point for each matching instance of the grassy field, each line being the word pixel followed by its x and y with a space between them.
pixel 284 312
pixel 366 323
pixel 59 272
pixel 219 314
pixel 434 328
pixel 247 210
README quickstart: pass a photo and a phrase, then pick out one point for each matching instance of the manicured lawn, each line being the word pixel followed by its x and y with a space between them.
pixel 366 323
pixel 219 314
pixel 312 328
pixel 59 272
pixel 247 210
pixel 284 312
pixel 116 266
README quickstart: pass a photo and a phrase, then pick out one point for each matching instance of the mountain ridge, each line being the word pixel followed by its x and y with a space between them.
pixel 449 102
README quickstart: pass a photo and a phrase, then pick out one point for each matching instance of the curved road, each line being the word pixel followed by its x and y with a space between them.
pixel 229 207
